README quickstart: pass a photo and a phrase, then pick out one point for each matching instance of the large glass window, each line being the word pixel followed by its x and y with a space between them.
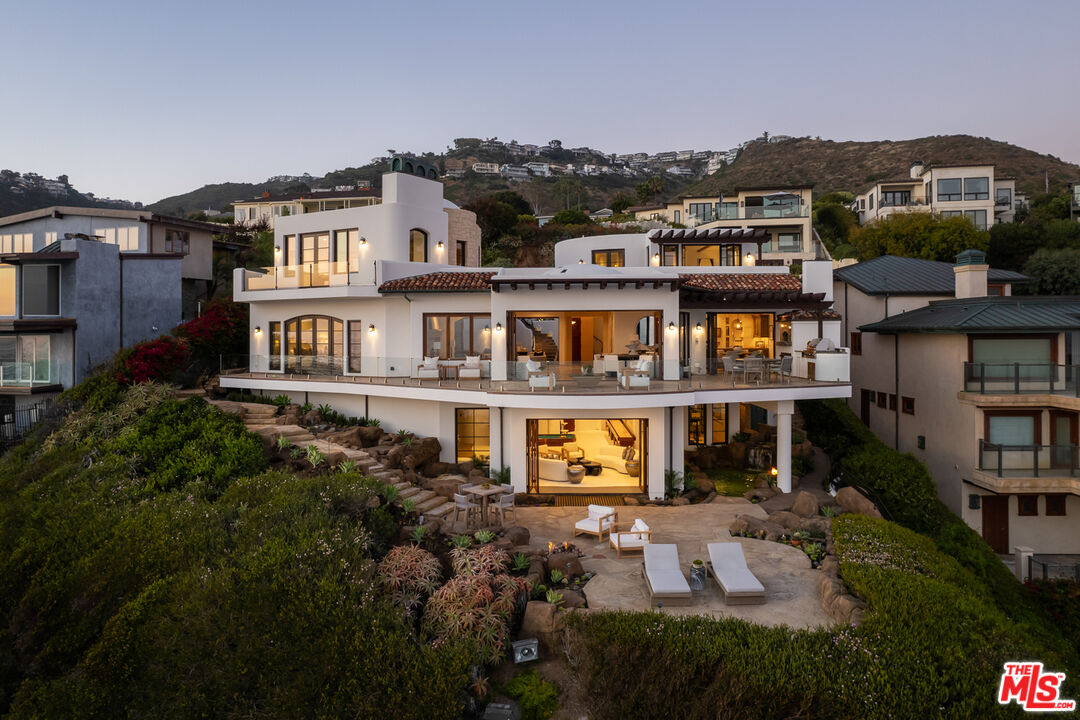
pixel 671 255
pixel 314 343
pixel 977 218
pixel 356 336
pixel 949 189
pixel 977 188
pixel 473 434
pixel 892 198
pixel 41 290
pixel 1003 196
pixel 34 351
pixel 698 255
pixel 343 241
pixel 729 210
pixel 719 424
pixel 418 242
pixel 1011 429
pixel 7 289
pixel 609 258
pixel 695 425
pixel 275 345
pixel 455 336
pixel 178 242
pixel 787 242
pixel 702 212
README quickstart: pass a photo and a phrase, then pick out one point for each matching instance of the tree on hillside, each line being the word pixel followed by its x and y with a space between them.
pixel 1054 272
pixel 918 235
pixel 833 220
pixel 1052 206
pixel 494 218
pixel 620 202
pixel 569 193
pixel 1012 244
pixel 570 217
pixel 514 200
pixel 649 189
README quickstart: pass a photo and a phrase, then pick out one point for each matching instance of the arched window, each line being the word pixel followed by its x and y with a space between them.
pixel 395 165
pixel 409 167
pixel 314 344
pixel 418 242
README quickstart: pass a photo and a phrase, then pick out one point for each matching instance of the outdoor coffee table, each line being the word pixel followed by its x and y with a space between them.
pixel 591 467
pixel 483 493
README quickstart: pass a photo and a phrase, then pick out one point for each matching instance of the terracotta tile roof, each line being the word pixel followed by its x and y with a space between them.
pixel 443 281
pixel 741 282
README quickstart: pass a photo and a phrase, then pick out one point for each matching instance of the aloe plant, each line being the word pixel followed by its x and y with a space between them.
pixel 554 597
pixel 557 577
pixel 390 493
pixel 296 452
pixel 347 466
pixel 419 534
pixel 315 456
pixel 408 505
pixel 829 511
pixel 520 562
pixel 283 442
pixel 484 536
pixel 460 541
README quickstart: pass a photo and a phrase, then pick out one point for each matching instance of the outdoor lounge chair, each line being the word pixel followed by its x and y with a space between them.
pixel 471 369
pixel 599 521
pixel 539 378
pixel 625 537
pixel 663 577
pixel 429 369
pixel 738 584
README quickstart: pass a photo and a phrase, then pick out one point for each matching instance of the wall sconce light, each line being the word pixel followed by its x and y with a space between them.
pixel 738 324
pixel 656 259
pixel 439 245
pixel 258 330
pixel 498 327
pixel 486 330
pixel 750 259
pixel 371 328
pixel 277 249
pixel 671 327
pixel 580 262
pixel 698 328
pixel 363 241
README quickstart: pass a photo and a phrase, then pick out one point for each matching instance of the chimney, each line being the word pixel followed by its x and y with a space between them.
pixel 917 169
pixel 970 272
pixel 266 193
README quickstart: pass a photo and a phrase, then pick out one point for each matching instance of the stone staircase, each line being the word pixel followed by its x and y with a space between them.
pixel 261 419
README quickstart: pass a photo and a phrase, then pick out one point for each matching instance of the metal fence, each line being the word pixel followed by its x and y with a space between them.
pixel 14 424
pixel 1051 567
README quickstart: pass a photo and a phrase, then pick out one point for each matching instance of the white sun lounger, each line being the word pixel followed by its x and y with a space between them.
pixel 663 576
pixel 728 566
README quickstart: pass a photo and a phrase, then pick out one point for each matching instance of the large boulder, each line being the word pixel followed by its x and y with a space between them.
pixel 421 452
pixel 444 485
pixel 335 458
pixel 565 562
pixel 572 599
pixel 288 419
pixel 805 505
pixel 357 437
pixel 311 417
pixel 436 468
pixel 517 535
pixel 539 619
pixel 760 494
pixel 756 527
pixel 853 501
pixel 786 519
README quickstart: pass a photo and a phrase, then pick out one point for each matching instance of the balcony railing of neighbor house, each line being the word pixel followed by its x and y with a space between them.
pixel 1029 460
pixel 750 213
pixel 25 374
pixel 557 377
pixel 1021 378
pixel 313 274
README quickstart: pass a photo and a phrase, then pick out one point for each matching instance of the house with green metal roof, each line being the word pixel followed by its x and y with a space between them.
pixel 985 389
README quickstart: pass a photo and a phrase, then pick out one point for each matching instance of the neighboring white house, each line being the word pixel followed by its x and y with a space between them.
pixel 269 207
pixel 539 169
pixel 979 384
pixel 607 350
pixel 516 173
pixel 485 168
pixel 962 190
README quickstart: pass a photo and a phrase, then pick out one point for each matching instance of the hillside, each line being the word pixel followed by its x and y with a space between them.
pixel 22 192
pixel 851 166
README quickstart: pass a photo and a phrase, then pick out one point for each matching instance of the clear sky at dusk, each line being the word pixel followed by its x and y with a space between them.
pixel 142 100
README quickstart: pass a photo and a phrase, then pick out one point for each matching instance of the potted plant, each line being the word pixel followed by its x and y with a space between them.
pixel 798 537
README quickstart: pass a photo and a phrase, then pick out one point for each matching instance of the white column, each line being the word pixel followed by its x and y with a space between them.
pixel 499 340
pixel 784 409
pixel 734 419
pixel 670 339
pixel 678 446
pixel 1021 554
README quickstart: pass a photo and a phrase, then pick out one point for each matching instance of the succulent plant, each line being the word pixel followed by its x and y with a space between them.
pixel 484 536
pixel 419 534
pixel 460 542
pixel 283 442
pixel 520 562
pixel 390 493
pixel 557 577
pixel 347 466
pixel 554 597
pixel 408 505
pixel 314 456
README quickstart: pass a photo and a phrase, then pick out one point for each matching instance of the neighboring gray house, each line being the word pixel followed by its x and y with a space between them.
pixel 132 231
pixel 70 306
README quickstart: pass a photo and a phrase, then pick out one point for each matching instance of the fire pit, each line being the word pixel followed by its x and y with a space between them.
pixel 566 547
pixel 564 558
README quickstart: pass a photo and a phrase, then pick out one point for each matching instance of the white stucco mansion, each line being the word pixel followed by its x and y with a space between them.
pixel 592 376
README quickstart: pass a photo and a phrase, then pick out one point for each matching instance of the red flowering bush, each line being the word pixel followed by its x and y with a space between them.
pixel 221 329
pixel 151 360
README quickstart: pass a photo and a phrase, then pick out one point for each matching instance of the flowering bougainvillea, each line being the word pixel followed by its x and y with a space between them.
pixel 151 360
pixel 221 328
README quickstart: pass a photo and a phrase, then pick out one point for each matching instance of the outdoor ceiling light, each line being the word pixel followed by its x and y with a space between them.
pixel 371 328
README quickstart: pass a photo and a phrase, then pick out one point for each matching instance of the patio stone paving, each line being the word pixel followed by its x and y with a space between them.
pixel 791 596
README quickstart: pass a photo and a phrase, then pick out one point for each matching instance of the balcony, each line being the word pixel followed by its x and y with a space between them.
pixel 306 275
pixel 29 376
pixel 778 212
pixel 1022 379
pixel 552 378
pixel 1029 461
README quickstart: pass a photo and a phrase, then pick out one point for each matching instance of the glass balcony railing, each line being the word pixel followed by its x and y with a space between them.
pixel 26 374
pixel 314 274
pixel 748 213
pixel 1021 378
pixel 1029 460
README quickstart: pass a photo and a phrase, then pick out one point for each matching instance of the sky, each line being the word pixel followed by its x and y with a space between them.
pixel 142 100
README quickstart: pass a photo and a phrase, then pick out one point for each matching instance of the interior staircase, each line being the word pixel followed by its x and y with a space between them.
pixel 261 419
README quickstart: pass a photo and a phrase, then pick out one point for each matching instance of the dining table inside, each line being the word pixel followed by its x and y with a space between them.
pixel 484 491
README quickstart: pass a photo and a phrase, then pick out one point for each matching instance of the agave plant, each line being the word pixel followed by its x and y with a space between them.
pixel 314 456
pixel 419 534
pixel 520 562
pixel 390 493
pixel 828 511
pixel 554 597
pixel 408 505
pixel 347 466
pixel 484 536
pixel 281 400
pixel 283 443
pixel 557 577
pixel 371 422
pixel 460 542
pixel 325 410
pixel 297 452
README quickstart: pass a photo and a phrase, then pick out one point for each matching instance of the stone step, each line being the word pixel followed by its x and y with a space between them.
pixel 409 492
pixel 430 504
pixel 403 485
pixel 422 496
pixel 440 511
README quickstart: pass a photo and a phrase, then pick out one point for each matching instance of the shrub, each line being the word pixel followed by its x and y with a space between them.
pixel 902 483
pixel 411 574
pixel 484 560
pixel 474 609
pixel 537 698
pixel 220 329
pixel 155 360
pixel 314 455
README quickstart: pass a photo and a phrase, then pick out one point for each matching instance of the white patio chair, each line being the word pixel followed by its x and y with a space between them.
pixel 506 504
pixel 429 369
pixel 465 504
pixel 625 537
pixel 598 522
pixel 471 369
pixel 539 378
